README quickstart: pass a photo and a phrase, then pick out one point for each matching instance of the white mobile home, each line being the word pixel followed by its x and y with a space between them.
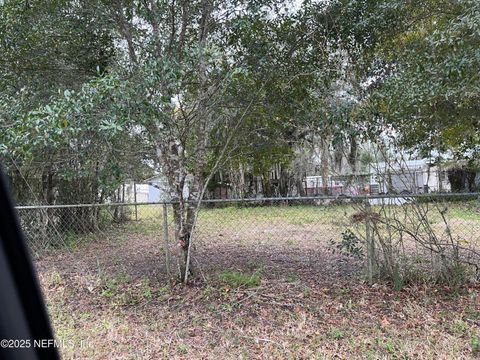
pixel 408 177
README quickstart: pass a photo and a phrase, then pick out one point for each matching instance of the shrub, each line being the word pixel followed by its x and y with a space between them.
pixel 349 245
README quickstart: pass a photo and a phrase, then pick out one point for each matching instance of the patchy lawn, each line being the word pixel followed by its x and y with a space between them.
pixel 267 287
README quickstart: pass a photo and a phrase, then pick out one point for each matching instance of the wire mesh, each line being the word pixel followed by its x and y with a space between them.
pixel 419 231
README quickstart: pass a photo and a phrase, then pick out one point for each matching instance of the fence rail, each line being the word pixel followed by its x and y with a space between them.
pixel 389 234
pixel 260 199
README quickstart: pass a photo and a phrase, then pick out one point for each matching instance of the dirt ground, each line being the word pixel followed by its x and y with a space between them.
pixel 270 293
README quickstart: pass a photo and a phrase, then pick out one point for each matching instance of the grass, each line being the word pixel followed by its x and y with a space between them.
pixel 459 327
pixel 465 212
pixel 294 215
pixel 190 322
pixel 235 279
pixel 145 227
pixel 475 344
pixel 150 218
pixel 336 334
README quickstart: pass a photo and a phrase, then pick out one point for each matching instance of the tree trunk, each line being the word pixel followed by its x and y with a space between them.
pixel 324 165
pixel 172 158
pixel 352 156
pixel 183 214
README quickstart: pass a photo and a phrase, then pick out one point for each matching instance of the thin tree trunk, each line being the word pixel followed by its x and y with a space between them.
pixel 324 165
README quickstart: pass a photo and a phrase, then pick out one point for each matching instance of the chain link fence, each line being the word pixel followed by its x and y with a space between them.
pixel 398 237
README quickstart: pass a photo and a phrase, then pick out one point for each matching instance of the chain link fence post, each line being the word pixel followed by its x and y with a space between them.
pixel 165 238
pixel 369 242
pixel 135 199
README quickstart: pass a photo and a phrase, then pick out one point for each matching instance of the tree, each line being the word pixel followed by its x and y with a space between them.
pixel 189 83
pixel 46 47
pixel 417 62
pixel 433 97
pixel 201 71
